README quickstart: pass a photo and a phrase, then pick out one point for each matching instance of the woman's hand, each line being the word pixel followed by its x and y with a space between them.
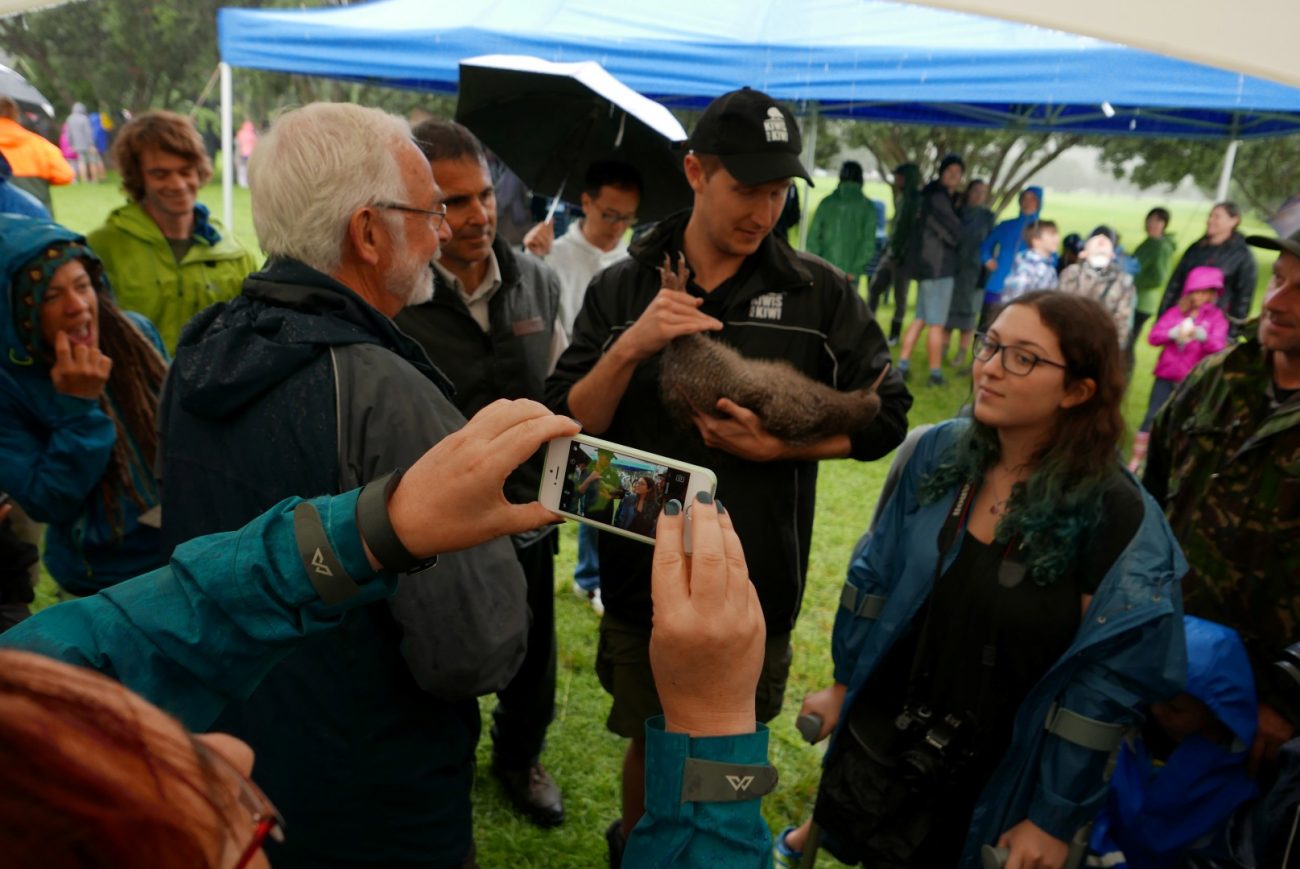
pixel 706 648
pixel 827 704
pixel 1031 848
pixel 79 371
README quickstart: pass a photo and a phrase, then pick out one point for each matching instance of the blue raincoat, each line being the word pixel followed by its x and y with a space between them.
pixel 1157 816
pixel 1128 652
pixel 1005 241
pixel 54 448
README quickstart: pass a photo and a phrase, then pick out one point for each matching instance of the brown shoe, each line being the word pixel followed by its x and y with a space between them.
pixel 534 793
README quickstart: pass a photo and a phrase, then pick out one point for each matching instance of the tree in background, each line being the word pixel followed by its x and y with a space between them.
pixel 162 54
pixel 1267 171
pixel 1007 159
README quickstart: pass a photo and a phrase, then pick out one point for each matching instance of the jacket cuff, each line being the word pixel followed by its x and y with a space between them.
pixel 1058 817
pixel 665 776
pixel 339 516
pixel 71 406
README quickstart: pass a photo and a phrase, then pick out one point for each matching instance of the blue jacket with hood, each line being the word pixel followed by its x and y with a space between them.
pixel 1128 652
pixel 1003 243
pixel 54 448
pixel 1160 815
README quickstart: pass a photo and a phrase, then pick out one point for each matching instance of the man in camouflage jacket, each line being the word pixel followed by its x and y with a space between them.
pixel 1225 463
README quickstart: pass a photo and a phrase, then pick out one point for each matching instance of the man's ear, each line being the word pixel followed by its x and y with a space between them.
pixel 694 172
pixel 364 234
pixel 1079 392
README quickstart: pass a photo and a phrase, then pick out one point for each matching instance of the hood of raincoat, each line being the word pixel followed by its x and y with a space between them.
pixel 287 315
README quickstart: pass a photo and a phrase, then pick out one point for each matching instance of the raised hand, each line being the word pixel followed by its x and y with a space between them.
pixel 452 497
pixel 79 371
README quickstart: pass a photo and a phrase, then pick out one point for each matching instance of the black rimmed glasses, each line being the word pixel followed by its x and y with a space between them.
pixel 1016 360
pixel 440 214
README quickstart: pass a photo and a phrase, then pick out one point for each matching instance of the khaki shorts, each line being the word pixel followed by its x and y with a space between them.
pixel 623 667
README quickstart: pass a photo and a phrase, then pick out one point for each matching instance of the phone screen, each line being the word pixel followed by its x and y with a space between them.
pixel 620 490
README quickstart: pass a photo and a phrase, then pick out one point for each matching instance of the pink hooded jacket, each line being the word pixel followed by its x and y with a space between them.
pixel 1177 362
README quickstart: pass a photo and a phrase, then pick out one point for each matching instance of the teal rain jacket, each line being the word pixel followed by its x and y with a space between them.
pixel 1129 651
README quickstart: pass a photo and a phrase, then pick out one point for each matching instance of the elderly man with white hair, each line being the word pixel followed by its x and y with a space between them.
pixel 303 385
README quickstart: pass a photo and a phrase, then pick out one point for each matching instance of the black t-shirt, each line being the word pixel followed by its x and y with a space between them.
pixel 1021 630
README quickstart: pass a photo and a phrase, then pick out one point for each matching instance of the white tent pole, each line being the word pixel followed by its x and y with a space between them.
pixel 810 161
pixel 1225 177
pixel 227 151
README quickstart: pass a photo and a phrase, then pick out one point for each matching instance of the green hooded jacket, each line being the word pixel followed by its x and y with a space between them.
pixel 844 229
pixel 146 277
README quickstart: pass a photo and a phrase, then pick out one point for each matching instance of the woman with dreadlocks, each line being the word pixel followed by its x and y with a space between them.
pixel 79 385
pixel 1013 612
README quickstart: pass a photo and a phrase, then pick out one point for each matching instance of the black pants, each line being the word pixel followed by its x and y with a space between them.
pixel 1130 352
pixel 526 706
pixel 890 274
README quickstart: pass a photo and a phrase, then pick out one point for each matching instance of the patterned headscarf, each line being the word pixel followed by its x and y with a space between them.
pixel 30 284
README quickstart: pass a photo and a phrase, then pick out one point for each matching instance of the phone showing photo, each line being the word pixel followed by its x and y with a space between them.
pixel 616 488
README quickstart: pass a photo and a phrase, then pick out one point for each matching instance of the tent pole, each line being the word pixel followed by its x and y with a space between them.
pixel 1225 177
pixel 227 151
pixel 809 160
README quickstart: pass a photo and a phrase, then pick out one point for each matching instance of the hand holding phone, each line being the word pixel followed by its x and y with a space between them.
pixel 617 488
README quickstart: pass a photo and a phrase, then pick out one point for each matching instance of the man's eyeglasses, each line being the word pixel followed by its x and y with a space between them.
pixel 440 214
pixel 266 818
pixel 616 217
pixel 1015 360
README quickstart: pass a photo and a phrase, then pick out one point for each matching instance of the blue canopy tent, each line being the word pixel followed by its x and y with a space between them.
pixel 867 59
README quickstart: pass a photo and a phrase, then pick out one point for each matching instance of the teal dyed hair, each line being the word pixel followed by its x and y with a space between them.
pixel 1054 512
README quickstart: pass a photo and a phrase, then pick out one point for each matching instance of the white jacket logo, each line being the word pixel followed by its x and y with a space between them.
pixel 740 783
pixel 318 564
pixel 774 127
pixel 766 307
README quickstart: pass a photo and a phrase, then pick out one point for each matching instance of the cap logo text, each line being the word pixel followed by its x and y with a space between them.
pixel 774 127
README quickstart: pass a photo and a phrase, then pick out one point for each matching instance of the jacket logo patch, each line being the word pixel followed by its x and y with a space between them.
pixel 740 783
pixel 766 307
pixel 318 564
pixel 531 326
pixel 774 127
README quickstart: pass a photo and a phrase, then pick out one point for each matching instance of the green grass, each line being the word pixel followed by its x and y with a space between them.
pixel 585 758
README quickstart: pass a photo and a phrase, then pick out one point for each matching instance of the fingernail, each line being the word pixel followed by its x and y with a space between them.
pixel 721 509
pixel 673 507
pixel 704 497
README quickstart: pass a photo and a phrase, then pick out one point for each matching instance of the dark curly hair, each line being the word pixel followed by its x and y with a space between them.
pixel 1055 511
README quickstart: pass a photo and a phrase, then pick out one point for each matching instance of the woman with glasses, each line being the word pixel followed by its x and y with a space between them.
pixel 1013 612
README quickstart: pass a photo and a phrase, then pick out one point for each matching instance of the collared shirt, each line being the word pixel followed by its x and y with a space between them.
pixel 478 302
pixel 477 299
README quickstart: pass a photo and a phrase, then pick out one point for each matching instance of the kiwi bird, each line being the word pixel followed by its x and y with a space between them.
pixel 696 370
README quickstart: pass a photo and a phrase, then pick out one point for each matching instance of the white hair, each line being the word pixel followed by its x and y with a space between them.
pixel 316 166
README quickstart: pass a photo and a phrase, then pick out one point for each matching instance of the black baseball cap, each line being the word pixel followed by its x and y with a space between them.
pixel 1291 244
pixel 756 138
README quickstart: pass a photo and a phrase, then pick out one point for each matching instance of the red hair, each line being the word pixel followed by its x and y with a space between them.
pixel 91 783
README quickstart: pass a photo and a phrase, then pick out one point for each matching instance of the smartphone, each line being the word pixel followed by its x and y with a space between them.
pixel 616 488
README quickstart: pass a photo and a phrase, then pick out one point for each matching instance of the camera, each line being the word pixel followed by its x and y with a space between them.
pixel 935 748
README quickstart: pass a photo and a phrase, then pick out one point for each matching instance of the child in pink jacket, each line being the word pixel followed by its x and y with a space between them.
pixel 1190 331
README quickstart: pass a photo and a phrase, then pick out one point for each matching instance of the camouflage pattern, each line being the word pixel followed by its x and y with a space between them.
pixel 1225 463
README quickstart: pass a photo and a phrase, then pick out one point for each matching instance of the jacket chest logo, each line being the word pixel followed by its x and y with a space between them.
pixel 766 307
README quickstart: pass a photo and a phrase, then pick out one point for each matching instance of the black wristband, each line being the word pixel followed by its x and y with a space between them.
pixel 377 529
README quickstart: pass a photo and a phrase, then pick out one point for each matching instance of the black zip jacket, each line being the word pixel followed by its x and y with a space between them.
pixel 789 305
pixel 1237 263
pixel 510 360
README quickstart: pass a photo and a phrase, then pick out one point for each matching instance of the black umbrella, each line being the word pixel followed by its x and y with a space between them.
pixel 22 92
pixel 549 121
